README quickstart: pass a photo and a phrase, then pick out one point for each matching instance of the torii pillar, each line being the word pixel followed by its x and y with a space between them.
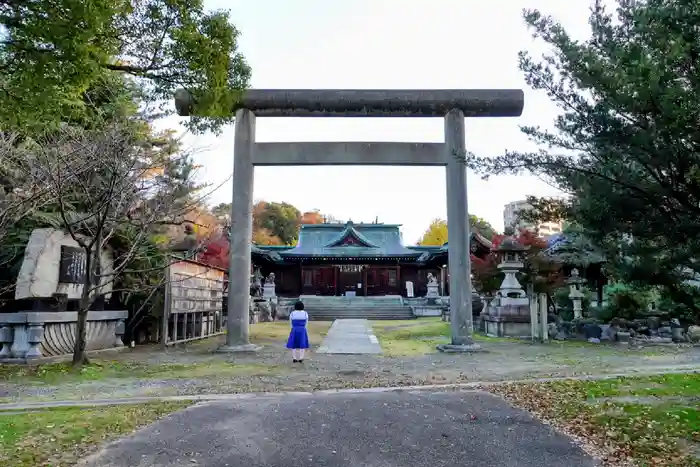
pixel 452 105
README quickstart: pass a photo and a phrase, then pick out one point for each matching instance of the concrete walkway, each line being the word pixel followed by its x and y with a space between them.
pixel 350 337
pixel 417 429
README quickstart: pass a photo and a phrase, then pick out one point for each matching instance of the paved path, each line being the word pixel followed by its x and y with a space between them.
pixel 436 429
pixel 350 336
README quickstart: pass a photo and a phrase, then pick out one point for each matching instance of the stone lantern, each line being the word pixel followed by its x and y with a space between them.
pixel 576 293
pixel 508 314
pixel 510 252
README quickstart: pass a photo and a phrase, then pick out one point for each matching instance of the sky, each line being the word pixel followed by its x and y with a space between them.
pixel 385 44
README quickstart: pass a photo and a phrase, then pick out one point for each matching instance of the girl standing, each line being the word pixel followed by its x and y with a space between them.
pixel 298 337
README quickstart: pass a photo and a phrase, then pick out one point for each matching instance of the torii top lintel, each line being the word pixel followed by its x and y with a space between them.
pixel 370 103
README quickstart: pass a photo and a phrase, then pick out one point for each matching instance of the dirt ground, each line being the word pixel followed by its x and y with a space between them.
pixel 197 369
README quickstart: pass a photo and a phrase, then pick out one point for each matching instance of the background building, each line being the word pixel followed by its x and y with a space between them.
pixel 356 260
pixel 512 218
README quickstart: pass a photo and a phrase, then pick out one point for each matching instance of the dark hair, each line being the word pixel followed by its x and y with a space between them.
pixel 299 305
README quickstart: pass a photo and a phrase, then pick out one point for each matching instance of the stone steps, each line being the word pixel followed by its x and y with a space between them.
pixel 373 308
pixel 323 315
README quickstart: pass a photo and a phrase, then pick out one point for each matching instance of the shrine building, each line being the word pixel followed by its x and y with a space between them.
pixel 357 260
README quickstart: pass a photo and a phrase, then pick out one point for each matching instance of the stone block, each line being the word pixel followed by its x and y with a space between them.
pixel 653 322
pixel 119 331
pixel 677 334
pixel 35 335
pixel 592 331
pixel 623 337
pixel 425 310
pixel 694 334
pixel 6 338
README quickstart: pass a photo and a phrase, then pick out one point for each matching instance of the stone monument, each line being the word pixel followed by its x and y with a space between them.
pixel 575 293
pixel 269 288
pixel 433 288
pixel 452 105
pixel 49 285
pixel 256 287
pixel 508 314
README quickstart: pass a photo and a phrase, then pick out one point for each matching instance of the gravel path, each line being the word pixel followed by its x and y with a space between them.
pixel 501 361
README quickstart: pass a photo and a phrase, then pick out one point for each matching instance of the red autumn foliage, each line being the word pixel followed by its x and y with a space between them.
pixel 215 251
pixel 487 277
pixel 312 217
pixel 545 275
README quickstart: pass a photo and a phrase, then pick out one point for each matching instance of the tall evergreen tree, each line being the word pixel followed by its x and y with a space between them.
pixel 626 144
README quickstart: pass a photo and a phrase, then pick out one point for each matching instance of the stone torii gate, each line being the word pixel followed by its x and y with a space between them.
pixel 452 105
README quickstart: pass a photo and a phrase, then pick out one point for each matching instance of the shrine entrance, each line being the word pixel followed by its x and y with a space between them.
pixel 453 105
pixel 350 280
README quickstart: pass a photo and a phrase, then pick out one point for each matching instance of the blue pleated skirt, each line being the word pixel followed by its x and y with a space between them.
pixel 298 337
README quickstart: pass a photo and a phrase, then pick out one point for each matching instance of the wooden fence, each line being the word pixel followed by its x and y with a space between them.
pixel 193 302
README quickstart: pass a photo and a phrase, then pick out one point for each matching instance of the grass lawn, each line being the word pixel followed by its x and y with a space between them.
pixel 60 437
pixel 411 337
pixel 278 331
pixel 123 367
pixel 400 338
pixel 57 373
pixel 653 421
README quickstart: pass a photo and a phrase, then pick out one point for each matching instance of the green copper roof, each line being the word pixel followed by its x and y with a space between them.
pixel 271 254
pixel 359 240
pixel 351 237
pixel 349 240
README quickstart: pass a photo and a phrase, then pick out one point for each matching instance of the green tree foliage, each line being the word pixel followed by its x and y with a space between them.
pixel 273 223
pixel 221 210
pixel 626 143
pixel 105 193
pixel 481 225
pixel 52 52
pixel 685 309
pixel 162 176
pixel 281 220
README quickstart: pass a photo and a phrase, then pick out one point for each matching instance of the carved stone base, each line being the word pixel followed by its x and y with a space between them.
pixel 47 334
pixel 464 348
pixel 239 348
pixel 269 291
pixel 507 326
pixel 433 291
